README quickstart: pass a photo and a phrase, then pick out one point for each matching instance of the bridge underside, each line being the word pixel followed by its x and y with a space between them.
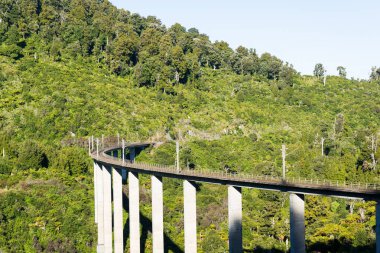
pixel 278 186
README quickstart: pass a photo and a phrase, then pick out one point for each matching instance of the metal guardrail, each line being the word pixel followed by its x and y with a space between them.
pixel 242 177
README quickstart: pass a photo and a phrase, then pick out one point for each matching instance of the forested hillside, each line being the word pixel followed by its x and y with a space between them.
pixel 72 69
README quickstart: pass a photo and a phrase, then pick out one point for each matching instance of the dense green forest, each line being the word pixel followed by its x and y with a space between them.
pixel 75 68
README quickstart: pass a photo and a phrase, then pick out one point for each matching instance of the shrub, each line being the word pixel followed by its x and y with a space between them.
pixel 5 167
pixel 72 160
pixel 12 51
pixel 31 156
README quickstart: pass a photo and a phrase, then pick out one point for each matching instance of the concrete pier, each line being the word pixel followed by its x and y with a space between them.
pixel 157 215
pixel 117 210
pixel 235 235
pixel 132 154
pixel 100 207
pixel 190 216
pixel 96 168
pixel 297 223
pixel 378 227
pixel 134 212
pixel 107 198
pixel 124 175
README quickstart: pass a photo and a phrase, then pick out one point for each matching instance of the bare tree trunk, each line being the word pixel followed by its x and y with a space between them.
pixel 283 152
pixel 362 214
pixel 322 146
pixel 373 148
pixel 352 205
pixel 334 130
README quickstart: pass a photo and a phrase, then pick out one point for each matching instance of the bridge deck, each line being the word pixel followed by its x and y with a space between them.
pixel 291 185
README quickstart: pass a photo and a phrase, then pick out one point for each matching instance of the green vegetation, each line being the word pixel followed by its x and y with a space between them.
pixel 70 69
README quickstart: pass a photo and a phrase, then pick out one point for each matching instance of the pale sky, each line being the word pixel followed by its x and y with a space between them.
pixel 302 32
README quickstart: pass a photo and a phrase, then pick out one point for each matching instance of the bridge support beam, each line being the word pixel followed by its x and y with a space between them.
pixel 132 154
pixel 235 236
pixel 96 191
pixel 157 215
pixel 107 198
pixel 297 223
pixel 124 175
pixel 99 189
pixel 378 227
pixel 134 212
pixel 123 171
pixel 118 210
pixel 190 216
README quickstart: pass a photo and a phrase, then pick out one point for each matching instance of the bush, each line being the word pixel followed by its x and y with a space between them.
pixel 5 167
pixel 12 51
pixel 26 64
pixel 73 160
pixel 3 78
pixel 31 156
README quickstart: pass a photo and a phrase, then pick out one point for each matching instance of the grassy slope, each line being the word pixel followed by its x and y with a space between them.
pixel 225 119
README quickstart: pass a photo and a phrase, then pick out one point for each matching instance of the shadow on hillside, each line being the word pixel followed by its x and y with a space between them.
pixel 338 247
pixel 146 228
pixel 262 250
pixel 331 246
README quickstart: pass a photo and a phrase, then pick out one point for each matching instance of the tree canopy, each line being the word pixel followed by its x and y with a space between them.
pixel 122 42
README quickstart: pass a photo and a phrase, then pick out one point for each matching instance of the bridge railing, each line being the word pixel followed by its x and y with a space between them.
pixel 243 177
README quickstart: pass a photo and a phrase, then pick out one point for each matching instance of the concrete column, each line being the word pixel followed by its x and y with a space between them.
pixel 190 216
pixel 157 215
pixel 123 172
pixel 100 207
pixel 124 175
pixel 378 227
pixel 96 191
pixel 235 235
pixel 132 154
pixel 107 184
pixel 123 150
pixel 117 210
pixel 134 212
pixel 297 223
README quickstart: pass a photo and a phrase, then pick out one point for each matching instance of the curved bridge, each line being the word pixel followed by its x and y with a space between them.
pixel 112 168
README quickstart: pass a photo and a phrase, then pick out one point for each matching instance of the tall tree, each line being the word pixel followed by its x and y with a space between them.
pixel 270 66
pixel 375 74
pixel 319 70
pixel 342 71
pixel 124 53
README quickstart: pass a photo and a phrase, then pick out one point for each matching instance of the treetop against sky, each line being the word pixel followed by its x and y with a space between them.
pixel 335 33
